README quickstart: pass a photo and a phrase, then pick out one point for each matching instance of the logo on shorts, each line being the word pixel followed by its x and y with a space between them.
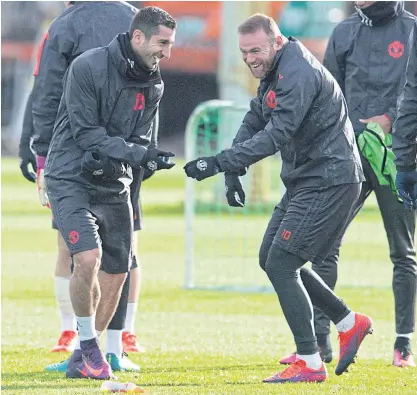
pixel 286 234
pixel 201 165
pixel 271 99
pixel 73 237
pixel 140 102
pixel 396 49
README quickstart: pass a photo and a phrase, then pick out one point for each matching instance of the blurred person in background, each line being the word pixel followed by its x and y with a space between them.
pixel 103 129
pixel 67 38
pixel 404 134
pixel 299 111
pixel 367 55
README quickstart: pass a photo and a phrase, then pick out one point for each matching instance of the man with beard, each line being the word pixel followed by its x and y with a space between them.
pixel 66 39
pixel 103 130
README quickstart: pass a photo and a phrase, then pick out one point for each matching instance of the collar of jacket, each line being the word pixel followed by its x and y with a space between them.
pixel 380 13
pixel 272 71
pixel 129 64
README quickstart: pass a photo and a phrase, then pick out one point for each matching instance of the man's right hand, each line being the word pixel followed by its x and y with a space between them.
pixel 155 159
pixel 40 180
pixel 234 192
pixel 102 168
pixel 26 158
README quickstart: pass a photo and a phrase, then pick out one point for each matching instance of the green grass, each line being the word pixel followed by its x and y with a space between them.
pixel 198 342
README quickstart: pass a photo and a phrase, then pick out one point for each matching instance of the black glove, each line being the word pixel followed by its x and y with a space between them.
pixel 155 159
pixel 102 167
pixel 406 182
pixel 147 174
pixel 26 158
pixel 202 168
pixel 234 192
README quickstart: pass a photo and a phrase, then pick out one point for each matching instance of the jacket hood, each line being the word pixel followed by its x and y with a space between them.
pixel 380 13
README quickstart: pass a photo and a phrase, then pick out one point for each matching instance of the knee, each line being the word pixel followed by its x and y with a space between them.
pixel 405 264
pixel 87 261
pixel 273 264
pixel 263 255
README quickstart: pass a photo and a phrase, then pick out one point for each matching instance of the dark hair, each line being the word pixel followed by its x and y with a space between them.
pixel 259 22
pixel 148 20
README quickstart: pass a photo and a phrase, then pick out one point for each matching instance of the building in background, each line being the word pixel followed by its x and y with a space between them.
pixel 191 75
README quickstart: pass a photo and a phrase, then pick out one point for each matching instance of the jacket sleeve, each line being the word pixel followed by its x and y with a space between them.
pixel 27 127
pixel 51 66
pixel 252 123
pixel 404 133
pixel 82 106
pixel 294 94
pixel 335 61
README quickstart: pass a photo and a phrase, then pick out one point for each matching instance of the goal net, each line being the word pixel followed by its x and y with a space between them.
pixel 222 241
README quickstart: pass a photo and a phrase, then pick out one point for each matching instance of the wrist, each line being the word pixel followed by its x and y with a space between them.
pixel 40 162
pixel 217 164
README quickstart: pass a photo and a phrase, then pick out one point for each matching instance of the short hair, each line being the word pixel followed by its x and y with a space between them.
pixel 148 20
pixel 259 22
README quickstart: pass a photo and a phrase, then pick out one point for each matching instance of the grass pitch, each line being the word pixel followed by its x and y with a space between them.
pixel 198 342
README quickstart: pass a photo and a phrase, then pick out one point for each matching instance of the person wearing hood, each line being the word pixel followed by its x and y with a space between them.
pixel 300 111
pixel 67 38
pixel 367 55
pixel 103 130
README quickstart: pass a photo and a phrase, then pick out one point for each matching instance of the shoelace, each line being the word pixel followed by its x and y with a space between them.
pixel 293 369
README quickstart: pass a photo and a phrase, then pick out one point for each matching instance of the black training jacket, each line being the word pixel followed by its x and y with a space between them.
pixel 367 54
pixel 299 111
pixel 104 109
pixel 404 135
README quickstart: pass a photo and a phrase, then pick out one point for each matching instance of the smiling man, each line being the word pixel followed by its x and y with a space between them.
pixel 299 111
pixel 103 129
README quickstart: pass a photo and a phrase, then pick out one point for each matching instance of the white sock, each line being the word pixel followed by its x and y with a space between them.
pixel 130 317
pixel 312 361
pixel 114 342
pixel 63 299
pixel 347 323
pixel 77 344
pixel 407 335
pixel 86 327
pixel 68 322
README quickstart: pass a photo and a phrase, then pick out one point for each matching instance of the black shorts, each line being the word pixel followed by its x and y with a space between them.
pixel 307 222
pixel 86 223
pixel 137 217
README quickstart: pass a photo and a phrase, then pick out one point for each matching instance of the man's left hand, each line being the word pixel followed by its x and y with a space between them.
pixel 406 183
pixel 382 120
pixel 202 168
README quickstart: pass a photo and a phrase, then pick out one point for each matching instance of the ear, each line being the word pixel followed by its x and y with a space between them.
pixel 138 37
pixel 279 42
